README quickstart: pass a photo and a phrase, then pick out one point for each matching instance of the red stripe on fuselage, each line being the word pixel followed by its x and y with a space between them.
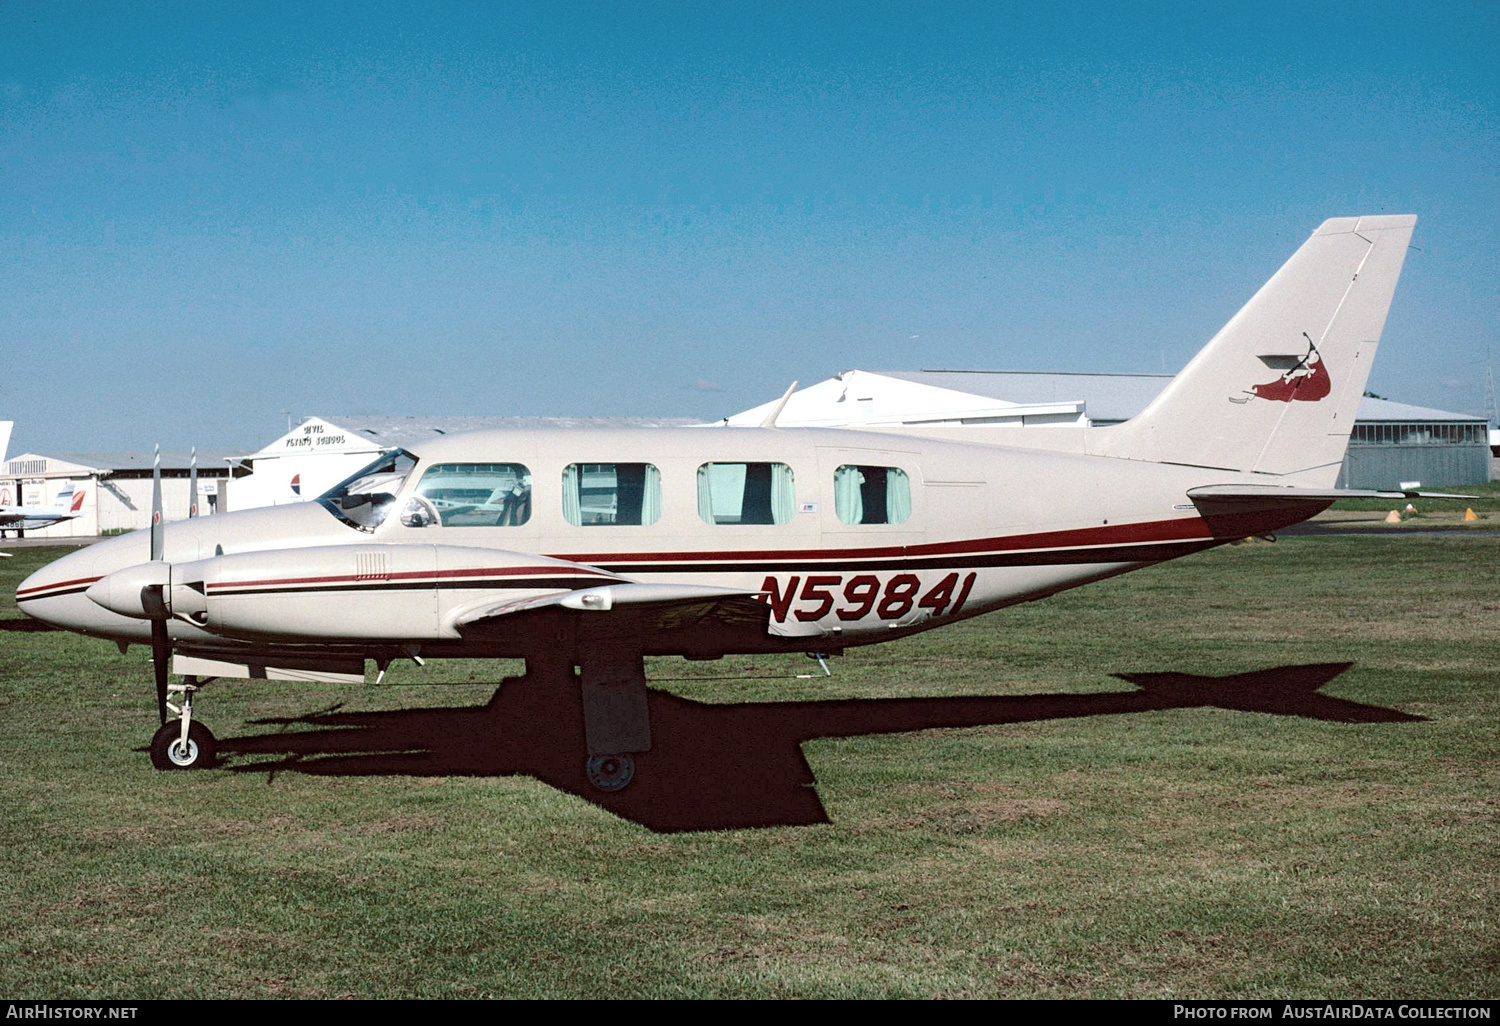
pixel 29 592
pixel 419 575
pixel 1183 529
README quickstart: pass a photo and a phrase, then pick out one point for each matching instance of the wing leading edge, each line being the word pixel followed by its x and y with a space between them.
pixel 658 607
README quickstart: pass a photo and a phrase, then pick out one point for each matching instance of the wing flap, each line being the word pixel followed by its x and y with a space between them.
pixel 668 606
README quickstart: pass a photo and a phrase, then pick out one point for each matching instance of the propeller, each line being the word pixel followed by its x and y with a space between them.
pixel 152 596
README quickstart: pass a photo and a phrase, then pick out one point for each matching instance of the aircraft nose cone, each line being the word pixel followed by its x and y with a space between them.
pixel 54 594
pixel 133 591
pixel 64 577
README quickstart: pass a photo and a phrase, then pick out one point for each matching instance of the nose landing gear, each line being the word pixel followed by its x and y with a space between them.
pixel 182 743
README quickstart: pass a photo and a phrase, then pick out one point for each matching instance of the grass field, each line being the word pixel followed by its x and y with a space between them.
pixel 1188 837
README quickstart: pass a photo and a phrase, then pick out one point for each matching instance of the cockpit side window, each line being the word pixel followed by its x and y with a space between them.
pixel 471 495
pixel 364 499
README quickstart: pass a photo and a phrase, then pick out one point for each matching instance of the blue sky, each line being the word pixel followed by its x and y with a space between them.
pixel 212 214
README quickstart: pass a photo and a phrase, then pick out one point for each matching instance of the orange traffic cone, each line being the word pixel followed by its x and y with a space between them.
pixel 1393 517
pixel 1469 515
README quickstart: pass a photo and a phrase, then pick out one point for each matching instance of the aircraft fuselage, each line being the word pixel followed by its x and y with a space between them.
pixel 974 528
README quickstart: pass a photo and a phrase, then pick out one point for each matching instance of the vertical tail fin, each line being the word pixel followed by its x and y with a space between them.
pixel 5 426
pixel 1277 389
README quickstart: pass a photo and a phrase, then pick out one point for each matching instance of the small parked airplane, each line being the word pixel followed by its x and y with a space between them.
pixel 594 548
pixel 67 505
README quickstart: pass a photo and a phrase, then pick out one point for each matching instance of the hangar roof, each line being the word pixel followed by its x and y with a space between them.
pixel 369 434
pixel 1115 397
pixel 1372 409
pixel 393 431
pixel 116 464
pixel 1106 397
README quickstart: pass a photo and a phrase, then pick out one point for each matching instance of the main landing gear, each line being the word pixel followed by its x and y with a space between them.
pixel 616 722
pixel 182 742
pixel 611 772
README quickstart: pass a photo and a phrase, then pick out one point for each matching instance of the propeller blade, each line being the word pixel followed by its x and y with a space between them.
pixel 156 524
pixel 193 484
pixel 161 648
pixel 161 642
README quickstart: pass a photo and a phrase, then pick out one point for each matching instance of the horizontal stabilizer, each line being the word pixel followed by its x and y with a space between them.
pixel 1259 493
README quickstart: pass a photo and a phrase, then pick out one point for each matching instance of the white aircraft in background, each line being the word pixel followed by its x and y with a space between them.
pixel 594 548
pixel 67 505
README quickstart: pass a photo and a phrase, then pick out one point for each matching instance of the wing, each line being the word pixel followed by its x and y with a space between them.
pixel 654 609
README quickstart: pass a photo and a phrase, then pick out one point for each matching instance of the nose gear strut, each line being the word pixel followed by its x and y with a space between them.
pixel 182 742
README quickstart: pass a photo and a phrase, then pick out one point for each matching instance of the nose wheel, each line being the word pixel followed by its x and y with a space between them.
pixel 182 742
pixel 170 752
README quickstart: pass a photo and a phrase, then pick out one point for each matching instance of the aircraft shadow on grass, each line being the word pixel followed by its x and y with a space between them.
pixel 27 626
pixel 715 767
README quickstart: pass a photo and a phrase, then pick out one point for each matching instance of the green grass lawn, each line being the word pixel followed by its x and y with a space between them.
pixel 1192 839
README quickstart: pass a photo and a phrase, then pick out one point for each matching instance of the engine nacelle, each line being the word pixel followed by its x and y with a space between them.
pixel 360 592
pixel 136 591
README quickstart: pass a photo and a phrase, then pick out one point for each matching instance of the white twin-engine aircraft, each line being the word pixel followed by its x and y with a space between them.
pixel 595 548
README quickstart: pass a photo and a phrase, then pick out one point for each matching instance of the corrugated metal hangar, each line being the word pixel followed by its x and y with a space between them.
pixel 1391 442
pixel 116 487
pixel 319 453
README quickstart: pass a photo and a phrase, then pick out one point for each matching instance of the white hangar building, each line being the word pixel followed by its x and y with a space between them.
pixel 116 488
pixel 1391 442
pixel 320 452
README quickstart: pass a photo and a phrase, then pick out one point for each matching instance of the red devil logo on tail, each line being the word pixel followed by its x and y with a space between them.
pixel 1307 381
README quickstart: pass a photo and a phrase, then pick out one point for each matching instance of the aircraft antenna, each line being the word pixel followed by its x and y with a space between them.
pixel 1489 392
pixel 770 420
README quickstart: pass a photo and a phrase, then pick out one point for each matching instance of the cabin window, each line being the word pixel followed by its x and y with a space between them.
pixel 364 500
pixel 471 495
pixel 619 494
pixel 746 493
pixel 871 495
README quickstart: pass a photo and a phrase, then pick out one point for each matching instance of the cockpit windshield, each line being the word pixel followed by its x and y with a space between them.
pixel 364 499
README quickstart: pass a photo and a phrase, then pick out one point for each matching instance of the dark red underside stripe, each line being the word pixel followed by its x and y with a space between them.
pixel 1056 557
pixel 43 594
pixel 1181 535
pixel 1067 557
pixel 424 576
pixel 81 584
pixel 570 582
pixel 1186 528
pixel 1125 543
